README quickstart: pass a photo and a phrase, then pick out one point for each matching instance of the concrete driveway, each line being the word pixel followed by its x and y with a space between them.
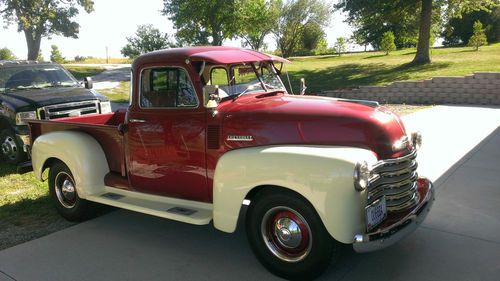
pixel 459 241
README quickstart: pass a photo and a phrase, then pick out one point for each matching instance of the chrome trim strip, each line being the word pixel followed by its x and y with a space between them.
pixel 396 160
pixel 91 105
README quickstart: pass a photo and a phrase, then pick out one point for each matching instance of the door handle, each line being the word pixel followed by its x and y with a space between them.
pixel 136 121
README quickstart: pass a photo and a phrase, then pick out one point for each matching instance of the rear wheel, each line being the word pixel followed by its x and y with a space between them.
pixel 63 191
pixel 11 147
pixel 288 237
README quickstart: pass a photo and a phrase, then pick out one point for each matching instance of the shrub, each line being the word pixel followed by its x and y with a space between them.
pixel 478 37
pixel 55 55
pixel 387 42
pixel 6 54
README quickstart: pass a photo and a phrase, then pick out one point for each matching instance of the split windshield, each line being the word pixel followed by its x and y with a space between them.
pixel 25 77
pixel 236 80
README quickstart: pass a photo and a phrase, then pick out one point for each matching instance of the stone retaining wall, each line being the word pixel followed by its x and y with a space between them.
pixel 482 88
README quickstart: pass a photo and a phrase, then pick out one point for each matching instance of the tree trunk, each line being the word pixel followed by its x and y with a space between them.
pixel 423 52
pixel 216 39
pixel 33 39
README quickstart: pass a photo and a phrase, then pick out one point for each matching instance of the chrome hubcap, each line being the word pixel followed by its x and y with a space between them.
pixel 286 234
pixel 65 190
pixel 9 148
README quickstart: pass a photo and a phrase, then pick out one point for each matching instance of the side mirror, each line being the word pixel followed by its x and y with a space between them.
pixel 211 96
pixel 302 86
pixel 87 81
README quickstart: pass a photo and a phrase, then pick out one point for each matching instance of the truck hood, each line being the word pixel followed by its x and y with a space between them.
pixel 32 99
pixel 271 119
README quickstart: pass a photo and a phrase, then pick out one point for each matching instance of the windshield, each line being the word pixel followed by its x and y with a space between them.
pixel 240 79
pixel 34 77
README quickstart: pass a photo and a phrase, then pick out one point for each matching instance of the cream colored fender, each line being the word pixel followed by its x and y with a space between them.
pixel 321 174
pixel 80 152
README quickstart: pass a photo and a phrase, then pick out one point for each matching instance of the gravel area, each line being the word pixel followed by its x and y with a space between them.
pixel 405 109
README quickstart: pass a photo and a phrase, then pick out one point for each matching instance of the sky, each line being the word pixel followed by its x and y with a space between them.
pixel 113 20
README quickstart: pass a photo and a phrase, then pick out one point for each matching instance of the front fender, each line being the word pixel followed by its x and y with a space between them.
pixel 321 174
pixel 80 152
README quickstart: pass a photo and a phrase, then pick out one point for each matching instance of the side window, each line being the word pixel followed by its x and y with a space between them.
pixel 167 87
pixel 218 76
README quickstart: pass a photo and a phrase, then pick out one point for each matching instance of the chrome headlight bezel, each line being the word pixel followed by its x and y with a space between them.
pixel 362 175
pixel 22 116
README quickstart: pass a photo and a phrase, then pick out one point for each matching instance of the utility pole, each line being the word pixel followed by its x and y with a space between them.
pixel 107 57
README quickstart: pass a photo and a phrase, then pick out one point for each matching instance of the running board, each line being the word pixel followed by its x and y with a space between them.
pixel 191 212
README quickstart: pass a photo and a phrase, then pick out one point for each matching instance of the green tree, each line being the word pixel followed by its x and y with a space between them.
pixel 55 55
pixel 312 37
pixel 387 42
pixel 257 19
pixel 292 22
pixel 372 20
pixel 453 8
pixel 146 39
pixel 42 18
pixel 427 10
pixel 478 37
pixel 6 54
pixel 340 45
pixel 457 31
pixel 202 22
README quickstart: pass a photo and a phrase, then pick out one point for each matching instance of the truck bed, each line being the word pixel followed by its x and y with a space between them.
pixel 103 127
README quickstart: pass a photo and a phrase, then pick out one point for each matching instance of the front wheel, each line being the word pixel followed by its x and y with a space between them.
pixel 11 147
pixel 287 235
pixel 63 191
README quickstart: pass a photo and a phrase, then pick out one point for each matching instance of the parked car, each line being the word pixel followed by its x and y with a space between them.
pixel 211 128
pixel 45 91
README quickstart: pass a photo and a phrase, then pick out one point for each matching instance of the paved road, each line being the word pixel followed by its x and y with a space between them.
pixel 111 77
pixel 458 241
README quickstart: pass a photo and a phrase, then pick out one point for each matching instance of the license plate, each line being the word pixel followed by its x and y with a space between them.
pixel 376 213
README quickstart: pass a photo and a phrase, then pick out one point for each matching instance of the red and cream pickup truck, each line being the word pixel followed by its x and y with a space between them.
pixel 211 129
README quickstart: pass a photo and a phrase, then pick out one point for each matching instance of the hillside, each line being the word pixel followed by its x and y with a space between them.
pixel 375 68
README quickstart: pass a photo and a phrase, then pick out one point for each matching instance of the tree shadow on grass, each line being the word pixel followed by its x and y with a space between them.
pixel 353 75
pixel 375 56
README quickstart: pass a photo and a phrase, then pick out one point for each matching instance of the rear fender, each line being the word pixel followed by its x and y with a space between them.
pixel 321 174
pixel 80 152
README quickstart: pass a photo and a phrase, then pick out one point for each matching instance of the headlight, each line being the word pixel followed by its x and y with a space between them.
pixel 21 116
pixel 416 140
pixel 362 175
pixel 105 107
pixel 400 144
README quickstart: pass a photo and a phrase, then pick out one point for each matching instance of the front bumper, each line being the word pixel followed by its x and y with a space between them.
pixel 389 235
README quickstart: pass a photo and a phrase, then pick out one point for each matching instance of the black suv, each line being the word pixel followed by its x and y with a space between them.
pixel 32 90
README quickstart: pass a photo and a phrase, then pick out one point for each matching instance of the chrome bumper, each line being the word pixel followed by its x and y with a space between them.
pixel 388 236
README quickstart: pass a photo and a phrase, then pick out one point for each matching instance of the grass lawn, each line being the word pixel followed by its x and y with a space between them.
pixel 26 210
pixel 375 68
pixel 81 72
pixel 119 94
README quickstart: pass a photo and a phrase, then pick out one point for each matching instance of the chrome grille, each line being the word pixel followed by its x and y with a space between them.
pixel 396 179
pixel 72 109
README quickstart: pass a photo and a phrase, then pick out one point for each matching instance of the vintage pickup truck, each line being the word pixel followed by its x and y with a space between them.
pixel 210 129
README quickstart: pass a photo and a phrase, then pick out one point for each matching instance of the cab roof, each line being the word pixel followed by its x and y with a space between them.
pixel 210 54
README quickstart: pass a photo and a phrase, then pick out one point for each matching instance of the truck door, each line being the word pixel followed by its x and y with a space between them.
pixel 166 136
